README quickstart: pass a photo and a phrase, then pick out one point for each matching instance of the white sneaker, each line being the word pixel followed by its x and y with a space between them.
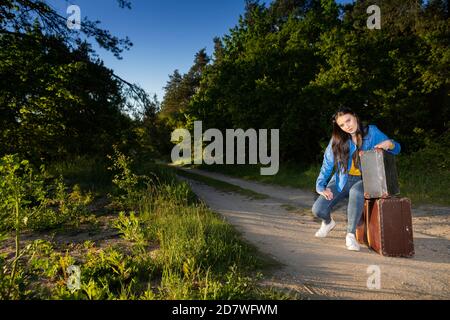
pixel 325 229
pixel 351 243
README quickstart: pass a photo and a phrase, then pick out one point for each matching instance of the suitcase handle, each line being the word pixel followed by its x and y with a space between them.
pixel 379 150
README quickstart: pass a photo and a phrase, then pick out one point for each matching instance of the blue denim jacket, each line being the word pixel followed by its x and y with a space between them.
pixel 374 136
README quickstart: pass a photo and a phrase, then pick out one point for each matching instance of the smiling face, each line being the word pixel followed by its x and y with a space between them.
pixel 348 123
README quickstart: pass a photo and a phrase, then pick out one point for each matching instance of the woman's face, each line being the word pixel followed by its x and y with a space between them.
pixel 348 123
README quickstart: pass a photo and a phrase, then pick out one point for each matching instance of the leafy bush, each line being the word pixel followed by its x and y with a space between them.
pixel 26 203
pixel 425 174
pixel 128 184
pixel 130 228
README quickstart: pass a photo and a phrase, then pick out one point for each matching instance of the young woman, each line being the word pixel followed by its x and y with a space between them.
pixel 349 137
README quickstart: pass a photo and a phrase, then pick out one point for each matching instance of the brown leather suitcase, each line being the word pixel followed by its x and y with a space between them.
pixel 361 233
pixel 389 226
pixel 379 174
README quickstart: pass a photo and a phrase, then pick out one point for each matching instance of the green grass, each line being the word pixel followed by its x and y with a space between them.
pixel 303 177
pixel 221 185
pixel 172 247
pixel 203 257
pixel 91 174
pixel 425 177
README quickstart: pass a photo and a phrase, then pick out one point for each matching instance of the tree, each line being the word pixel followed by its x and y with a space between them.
pixel 55 102
pixel 181 88
pixel 291 65
pixel 218 50
pixel 173 97
pixel 56 99
pixel 17 17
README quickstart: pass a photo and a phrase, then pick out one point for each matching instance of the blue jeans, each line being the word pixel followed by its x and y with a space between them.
pixel 354 190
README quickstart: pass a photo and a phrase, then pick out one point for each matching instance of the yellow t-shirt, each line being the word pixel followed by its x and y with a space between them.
pixel 354 171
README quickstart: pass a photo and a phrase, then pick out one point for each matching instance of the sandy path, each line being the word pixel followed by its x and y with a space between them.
pixel 324 268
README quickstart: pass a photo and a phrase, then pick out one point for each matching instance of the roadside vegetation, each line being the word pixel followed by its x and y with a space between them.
pixel 142 236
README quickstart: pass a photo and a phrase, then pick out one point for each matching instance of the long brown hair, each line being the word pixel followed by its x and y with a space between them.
pixel 340 138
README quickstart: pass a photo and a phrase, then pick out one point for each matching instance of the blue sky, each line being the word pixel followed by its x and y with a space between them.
pixel 166 34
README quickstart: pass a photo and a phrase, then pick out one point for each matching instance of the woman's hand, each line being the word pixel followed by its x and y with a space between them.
pixel 385 145
pixel 327 194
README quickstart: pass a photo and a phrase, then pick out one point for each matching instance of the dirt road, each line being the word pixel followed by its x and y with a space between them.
pixel 282 226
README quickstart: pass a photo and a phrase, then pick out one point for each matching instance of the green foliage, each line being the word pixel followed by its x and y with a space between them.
pixel 199 256
pixel 290 174
pixel 180 193
pixel 181 88
pixel 17 17
pixel 56 102
pixel 60 106
pixel 106 274
pixel 130 228
pixel 290 64
pixel 128 183
pixel 124 179
pixel 425 174
pixel 12 285
pixel 57 99
pixel 26 203
pixel 88 172
pixel 179 249
pixel 61 208
pixel 18 189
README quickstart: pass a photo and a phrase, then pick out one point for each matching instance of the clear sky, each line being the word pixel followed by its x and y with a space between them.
pixel 166 34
